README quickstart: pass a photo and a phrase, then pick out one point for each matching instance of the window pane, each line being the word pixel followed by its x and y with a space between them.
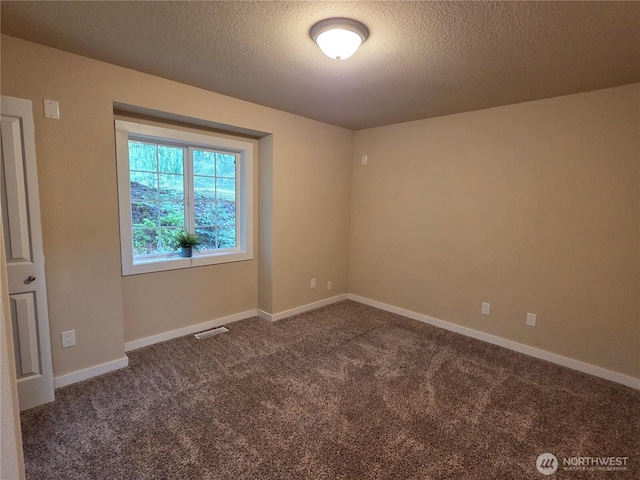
pixel 170 159
pixel 167 243
pixel 227 237
pixel 208 237
pixel 142 156
pixel 145 241
pixel 144 214
pixel 172 214
pixel 204 163
pixel 144 186
pixel 171 201
pixel 226 165
pixel 227 213
pixel 157 199
pixel 206 214
pixel 204 188
pixel 226 189
pixel 171 188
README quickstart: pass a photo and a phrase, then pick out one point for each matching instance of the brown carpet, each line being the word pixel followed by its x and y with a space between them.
pixel 344 392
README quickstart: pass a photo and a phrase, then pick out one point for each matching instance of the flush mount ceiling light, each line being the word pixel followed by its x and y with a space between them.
pixel 339 38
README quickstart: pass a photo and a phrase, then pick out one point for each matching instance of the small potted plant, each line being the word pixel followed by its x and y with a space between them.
pixel 187 242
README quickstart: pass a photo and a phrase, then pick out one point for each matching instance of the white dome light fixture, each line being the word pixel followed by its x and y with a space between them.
pixel 339 38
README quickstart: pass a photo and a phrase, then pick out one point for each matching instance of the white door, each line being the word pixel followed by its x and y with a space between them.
pixel 23 250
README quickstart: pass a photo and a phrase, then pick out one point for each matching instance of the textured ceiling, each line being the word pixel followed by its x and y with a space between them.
pixel 422 59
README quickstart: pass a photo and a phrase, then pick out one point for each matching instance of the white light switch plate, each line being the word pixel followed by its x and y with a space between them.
pixel 52 109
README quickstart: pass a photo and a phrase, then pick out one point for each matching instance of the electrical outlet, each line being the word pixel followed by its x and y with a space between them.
pixel 531 319
pixel 68 338
pixel 329 285
pixel 313 283
pixel 486 308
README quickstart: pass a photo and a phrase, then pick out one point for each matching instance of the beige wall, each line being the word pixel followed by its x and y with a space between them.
pixel 309 184
pixel 265 225
pixel 311 196
pixel 532 207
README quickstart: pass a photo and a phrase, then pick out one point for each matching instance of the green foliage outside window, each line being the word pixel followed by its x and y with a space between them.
pixel 157 197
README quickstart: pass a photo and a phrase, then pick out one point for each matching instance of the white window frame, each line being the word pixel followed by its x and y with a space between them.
pixel 126 130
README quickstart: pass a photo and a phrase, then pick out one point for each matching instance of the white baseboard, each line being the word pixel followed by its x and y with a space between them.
pixel 518 347
pixel 304 308
pixel 181 332
pixel 84 374
pixel 578 365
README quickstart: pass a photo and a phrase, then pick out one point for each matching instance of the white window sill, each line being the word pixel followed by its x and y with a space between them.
pixel 175 263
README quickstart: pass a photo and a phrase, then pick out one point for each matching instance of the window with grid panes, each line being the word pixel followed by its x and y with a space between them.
pixel 171 181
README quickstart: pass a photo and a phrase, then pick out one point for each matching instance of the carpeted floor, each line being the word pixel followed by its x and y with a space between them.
pixel 344 392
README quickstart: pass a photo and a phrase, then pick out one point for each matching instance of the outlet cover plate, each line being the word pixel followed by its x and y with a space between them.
pixel 532 319
pixel 68 338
